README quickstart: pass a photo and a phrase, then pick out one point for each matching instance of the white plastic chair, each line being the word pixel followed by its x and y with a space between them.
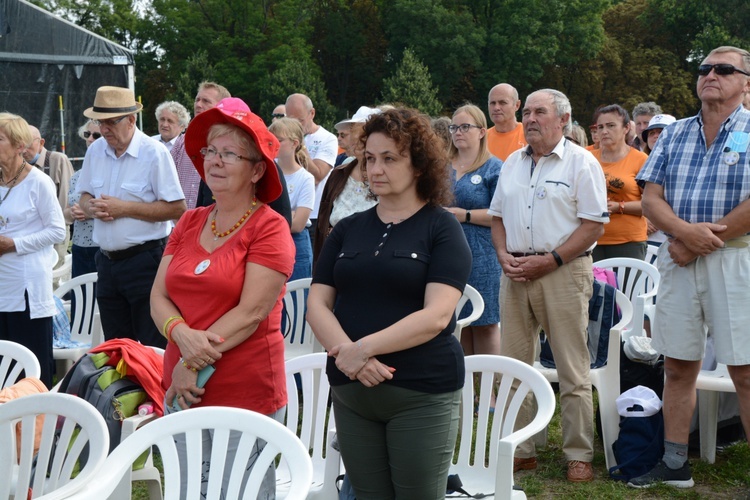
pixel 652 252
pixel 606 380
pixel 709 384
pixel 148 473
pixel 497 428
pixel 24 359
pixel 310 416
pixel 85 326
pixel 298 336
pixel 62 274
pixel 60 447
pixel 221 420
pixel 639 281
pixel 477 303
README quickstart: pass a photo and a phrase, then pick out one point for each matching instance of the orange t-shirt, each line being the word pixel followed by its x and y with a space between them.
pixel 621 186
pixel 502 144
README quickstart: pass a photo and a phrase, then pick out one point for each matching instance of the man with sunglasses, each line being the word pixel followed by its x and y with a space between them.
pixel 57 166
pixel 697 185
pixel 129 187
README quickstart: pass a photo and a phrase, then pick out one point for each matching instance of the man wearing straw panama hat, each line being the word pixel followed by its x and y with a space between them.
pixel 129 187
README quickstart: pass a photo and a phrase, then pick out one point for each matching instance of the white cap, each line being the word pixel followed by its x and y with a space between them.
pixel 361 116
pixel 641 396
pixel 658 121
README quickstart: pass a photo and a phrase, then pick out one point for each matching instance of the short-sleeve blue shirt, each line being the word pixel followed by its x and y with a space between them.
pixel 700 184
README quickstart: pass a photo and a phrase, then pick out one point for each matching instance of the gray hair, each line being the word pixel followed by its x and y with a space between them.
pixel 84 128
pixel 647 108
pixel 182 114
pixel 728 48
pixel 560 101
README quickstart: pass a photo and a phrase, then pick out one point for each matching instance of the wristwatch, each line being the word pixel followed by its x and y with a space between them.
pixel 468 216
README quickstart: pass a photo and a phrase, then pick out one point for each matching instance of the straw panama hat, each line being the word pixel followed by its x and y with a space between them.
pixel 111 102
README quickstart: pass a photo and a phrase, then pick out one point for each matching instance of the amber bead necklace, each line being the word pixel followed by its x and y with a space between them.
pixel 244 217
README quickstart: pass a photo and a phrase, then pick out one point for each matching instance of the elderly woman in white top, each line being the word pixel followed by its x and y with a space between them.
pixel 31 222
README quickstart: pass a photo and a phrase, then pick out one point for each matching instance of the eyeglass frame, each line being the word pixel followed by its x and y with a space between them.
pixel 88 134
pixel 278 115
pixel 720 69
pixel 110 122
pixel 464 127
pixel 224 157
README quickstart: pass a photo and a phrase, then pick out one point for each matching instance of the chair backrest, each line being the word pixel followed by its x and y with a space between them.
pixel 70 425
pixel 221 421
pixel 487 440
pixel 652 252
pixel 15 358
pixel 82 319
pixel 639 281
pixel 62 273
pixel 308 412
pixel 472 295
pixel 298 336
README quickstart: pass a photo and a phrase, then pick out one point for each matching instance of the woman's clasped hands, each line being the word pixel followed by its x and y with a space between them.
pixel 353 362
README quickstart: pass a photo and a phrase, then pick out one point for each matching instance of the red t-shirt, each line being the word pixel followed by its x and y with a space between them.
pixel 250 375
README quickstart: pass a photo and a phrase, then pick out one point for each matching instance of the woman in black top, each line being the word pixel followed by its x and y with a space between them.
pixel 382 303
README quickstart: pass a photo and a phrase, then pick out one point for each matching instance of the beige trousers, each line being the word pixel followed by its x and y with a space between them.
pixel 558 303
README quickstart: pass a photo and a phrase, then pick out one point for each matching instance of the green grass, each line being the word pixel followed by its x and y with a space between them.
pixel 728 478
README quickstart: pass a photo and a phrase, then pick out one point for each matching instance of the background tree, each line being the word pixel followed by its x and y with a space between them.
pixel 411 85
pixel 297 77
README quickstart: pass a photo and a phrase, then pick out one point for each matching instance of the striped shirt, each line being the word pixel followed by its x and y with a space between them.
pixel 702 185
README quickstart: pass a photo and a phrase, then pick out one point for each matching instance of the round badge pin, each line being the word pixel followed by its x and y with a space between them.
pixel 541 193
pixel 202 266
pixel 476 179
pixel 731 157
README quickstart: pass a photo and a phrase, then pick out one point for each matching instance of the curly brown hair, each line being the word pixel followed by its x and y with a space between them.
pixel 412 132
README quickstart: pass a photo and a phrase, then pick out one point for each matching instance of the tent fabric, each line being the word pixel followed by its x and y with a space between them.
pixel 43 57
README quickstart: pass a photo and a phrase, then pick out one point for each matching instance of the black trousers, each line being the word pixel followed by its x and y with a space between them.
pixel 123 292
pixel 36 334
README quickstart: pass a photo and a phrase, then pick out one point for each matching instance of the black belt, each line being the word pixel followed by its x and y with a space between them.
pixel 134 250
pixel 529 254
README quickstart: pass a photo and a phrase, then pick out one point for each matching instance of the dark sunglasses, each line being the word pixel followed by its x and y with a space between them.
pixel 720 69
pixel 278 115
pixel 88 134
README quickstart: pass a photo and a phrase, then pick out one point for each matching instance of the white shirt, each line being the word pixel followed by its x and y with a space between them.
pixel 31 216
pixel 301 188
pixel 167 144
pixel 144 173
pixel 322 145
pixel 540 210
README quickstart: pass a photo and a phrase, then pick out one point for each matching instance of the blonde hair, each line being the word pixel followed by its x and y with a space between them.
pixel 16 129
pixel 289 128
pixel 477 115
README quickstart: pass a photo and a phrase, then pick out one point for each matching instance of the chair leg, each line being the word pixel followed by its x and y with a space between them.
pixel 708 416
pixel 610 422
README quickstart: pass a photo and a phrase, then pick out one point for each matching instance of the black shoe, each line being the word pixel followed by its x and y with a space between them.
pixel 679 478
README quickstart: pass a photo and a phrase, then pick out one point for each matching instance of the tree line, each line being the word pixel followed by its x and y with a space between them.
pixel 432 54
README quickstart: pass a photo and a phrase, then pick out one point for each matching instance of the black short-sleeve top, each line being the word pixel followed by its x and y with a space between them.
pixel 380 271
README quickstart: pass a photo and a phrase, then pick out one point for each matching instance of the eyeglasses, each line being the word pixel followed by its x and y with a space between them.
pixel 464 127
pixel 226 157
pixel 278 115
pixel 109 123
pixel 88 134
pixel 720 69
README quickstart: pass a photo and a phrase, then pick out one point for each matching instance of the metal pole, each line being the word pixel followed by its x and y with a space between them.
pixel 62 124
pixel 140 115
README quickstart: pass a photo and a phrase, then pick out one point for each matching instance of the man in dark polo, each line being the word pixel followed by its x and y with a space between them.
pixel 129 186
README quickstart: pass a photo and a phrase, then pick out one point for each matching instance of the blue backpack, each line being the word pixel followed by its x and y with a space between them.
pixel 603 315
pixel 639 447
